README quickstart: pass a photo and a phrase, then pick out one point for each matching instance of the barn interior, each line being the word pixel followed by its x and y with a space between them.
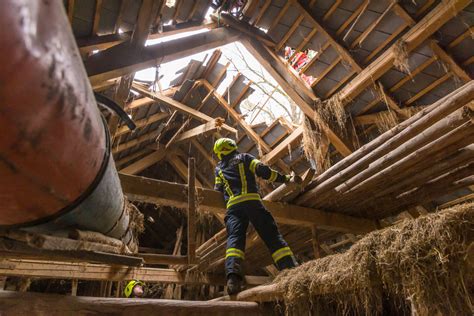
pixel 109 113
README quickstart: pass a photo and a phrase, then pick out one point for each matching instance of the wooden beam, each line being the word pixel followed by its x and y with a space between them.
pixel 171 194
pixel 147 161
pixel 280 14
pixel 245 28
pixel 96 21
pixel 15 303
pixel 181 169
pixel 201 130
pixel 262 11
pixel 103 272
pixel 88 44
pixel 143 122
pixel 178 106
pixel 290 32
pixel 128 158
pixel 411 75
pixel 204 152
pixel 331 10
pixel 236 117
pixel 192 218
pixel 413 38
pixel 123 59
pixel 430 87
pixel 450 62
pixel 131 143
pixel 282 148
pixel 352 17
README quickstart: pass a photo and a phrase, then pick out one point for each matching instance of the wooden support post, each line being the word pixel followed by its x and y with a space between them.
pixel 74 284
pixel 315 242
pixel 191 211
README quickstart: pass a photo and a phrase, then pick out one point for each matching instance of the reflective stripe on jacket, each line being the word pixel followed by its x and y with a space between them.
pixel 235 177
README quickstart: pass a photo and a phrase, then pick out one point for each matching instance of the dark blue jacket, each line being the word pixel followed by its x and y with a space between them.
pixel 235 177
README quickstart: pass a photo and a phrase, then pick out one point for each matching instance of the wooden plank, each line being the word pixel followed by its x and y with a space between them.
pixel 262 12
pixel 282 148
pixel 181 169
pixel 468 33
pixel 413 38
pixel 352 17
pixel 411 75
pixel 280 14
pixel 88 44
pixel 103 272
pixel 326 71
pixel 388 40
pixel 142 123
pixel 290 32
pixel 367 31
pixel 147 161
pixel 430 87
pixel 122 59
pixel 201 130
pixel 171 194
pixel 132 156
pixel 236 117
pixel 204 152
pixel 331 10
pixel 450 62
pixel 178 106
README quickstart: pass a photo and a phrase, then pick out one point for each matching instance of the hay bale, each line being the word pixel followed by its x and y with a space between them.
pixel 418 265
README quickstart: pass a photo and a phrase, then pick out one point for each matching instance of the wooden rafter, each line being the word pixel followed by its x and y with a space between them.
pixel 413 38
pixel 179 107
pixel 145 162
pixel 289 33
pixel 331 10
pixel 262 11
pixel 143 122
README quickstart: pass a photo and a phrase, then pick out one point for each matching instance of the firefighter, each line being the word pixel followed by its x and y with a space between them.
pixel 134 289
pixel 235 178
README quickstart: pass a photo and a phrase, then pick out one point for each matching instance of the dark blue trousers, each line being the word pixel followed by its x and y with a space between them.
pixel 237 220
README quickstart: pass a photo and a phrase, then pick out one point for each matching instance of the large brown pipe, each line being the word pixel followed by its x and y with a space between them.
pixel 55 163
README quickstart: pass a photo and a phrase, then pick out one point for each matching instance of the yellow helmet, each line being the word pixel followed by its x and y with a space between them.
pixel 129 288
pixel 224 146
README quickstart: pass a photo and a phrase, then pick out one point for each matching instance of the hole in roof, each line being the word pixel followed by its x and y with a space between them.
pixel 266 102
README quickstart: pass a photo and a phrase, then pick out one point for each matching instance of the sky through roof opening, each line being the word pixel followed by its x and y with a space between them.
pixel 267 103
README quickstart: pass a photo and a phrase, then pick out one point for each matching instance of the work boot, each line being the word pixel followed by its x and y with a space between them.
pixel 287 262
pixel 234 284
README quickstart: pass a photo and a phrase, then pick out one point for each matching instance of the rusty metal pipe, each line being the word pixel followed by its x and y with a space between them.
pixel 56 170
